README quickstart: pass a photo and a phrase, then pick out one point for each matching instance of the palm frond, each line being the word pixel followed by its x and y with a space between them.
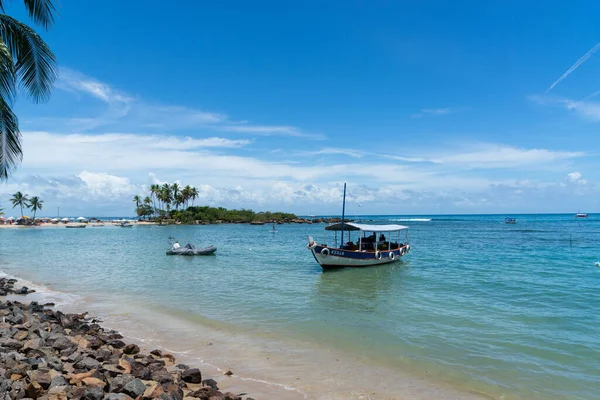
pixel 11 153
pixel 35 62
pixel 7 74
pixel 41 12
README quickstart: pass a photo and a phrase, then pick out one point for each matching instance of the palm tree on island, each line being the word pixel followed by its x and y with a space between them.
pixel 137 200
pixel 35 204
pixel 21 200
pixel 25 59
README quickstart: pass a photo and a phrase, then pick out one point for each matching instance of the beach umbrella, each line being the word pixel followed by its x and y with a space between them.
pixel 65 219
pixel 10 218
pixel 80 219
pixel 71 219
pixel 54 219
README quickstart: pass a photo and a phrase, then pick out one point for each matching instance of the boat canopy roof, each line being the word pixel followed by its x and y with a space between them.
pixel 351 226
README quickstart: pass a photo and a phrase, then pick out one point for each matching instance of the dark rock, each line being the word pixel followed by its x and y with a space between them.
pixel 131 349
pixel 156 353
pixel 210 383
pixel 231 396
pixel 75 393
pixel 162 376
pixel 228 373
pixel 94 394
pixel 117 344
pixel 23 290
pixel 119 382
pixel 134 388
pixel 117 396
pixel 140 371
pixel 172 392
pixel 182 366
pixel 33 390
pixel 192 375
pixel 41 377
pixel 62 343
pixel 87 363
pixel 59 381
pixel 206 393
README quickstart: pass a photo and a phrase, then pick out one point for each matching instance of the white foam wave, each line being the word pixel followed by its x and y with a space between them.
pixel 43 293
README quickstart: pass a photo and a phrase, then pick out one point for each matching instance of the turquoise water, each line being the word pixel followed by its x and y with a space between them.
pixel 511 311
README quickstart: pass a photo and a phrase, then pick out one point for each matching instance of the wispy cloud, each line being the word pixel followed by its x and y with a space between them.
pixel 130 113
pixel 433 112
pixel 577 64
pixel 589 110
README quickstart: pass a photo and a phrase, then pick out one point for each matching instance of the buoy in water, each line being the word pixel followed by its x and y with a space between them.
pixel 597 263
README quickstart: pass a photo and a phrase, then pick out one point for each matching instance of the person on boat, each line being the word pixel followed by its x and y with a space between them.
pixel 382 238
pixel 176 245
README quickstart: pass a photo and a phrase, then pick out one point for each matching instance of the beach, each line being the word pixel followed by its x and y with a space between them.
pixel 418 329
pixel 51 355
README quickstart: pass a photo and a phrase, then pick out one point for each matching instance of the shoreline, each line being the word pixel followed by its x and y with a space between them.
pixel 50 355
pixel 262 371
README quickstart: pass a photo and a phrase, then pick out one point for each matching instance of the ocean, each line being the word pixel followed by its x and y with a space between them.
pixel 477 309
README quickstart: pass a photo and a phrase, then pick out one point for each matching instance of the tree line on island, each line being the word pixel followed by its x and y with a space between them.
pixel 165 202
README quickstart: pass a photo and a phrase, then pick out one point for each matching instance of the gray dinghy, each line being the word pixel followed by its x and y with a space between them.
pixel 190 250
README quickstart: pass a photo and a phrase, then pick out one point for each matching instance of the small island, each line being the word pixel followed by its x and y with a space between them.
pixel 170 204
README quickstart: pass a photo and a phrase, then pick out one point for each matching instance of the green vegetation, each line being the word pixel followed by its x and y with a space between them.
pixel 35 204
pixel 220 214
pixel 26 62
pixel 163 198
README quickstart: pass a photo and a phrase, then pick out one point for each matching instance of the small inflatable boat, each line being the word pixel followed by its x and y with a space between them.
pixel 190 250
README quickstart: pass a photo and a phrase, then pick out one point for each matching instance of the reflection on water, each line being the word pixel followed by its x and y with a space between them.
pixel 357 289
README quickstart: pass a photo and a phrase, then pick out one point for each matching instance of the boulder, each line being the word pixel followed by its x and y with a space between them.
pixel 162 376
pixel 62 343
pixel 58 381
pixel 41 377
pixel 131 349
pixel 117 396
pixel 33 390
pixel 87 363
pixel 192 375
pixel 210 383
pixel 118 383
pixel 134 388
pixel 95 393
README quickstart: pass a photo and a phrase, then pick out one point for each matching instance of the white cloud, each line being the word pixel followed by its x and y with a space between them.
pixel 589 110
pixel 498 156
pixel 433 112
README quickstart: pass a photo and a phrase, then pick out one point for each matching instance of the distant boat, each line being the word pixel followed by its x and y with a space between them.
pixel 510 220
pixel 125 224
pixel 75 226
pixel 581 215
pixel 312 216
pixel 368 250
pixel 190 250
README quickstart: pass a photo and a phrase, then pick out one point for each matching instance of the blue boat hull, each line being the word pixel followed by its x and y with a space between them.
pixel 330 258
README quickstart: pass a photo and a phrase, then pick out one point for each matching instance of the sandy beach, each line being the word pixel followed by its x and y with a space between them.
pixel 63 225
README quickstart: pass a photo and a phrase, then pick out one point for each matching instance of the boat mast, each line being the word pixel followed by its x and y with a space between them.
pixel 343 213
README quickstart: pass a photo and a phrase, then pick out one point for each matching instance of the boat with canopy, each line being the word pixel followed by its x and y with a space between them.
pixel 370 245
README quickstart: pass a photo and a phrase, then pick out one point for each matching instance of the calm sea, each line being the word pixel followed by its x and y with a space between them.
pixel 477 308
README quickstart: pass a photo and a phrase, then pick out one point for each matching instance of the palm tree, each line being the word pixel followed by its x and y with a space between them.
pixel 147 200
pixel 187 194
pixel 35 204
pixel 26 59
pixel 194 194
pixel 137 200
pixel 19 199
pixel 166 195
pixel 176 191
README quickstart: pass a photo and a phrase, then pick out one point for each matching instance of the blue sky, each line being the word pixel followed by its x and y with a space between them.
pixel 434 107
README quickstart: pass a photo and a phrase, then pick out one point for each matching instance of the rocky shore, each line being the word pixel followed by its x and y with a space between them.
pixel 48 355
